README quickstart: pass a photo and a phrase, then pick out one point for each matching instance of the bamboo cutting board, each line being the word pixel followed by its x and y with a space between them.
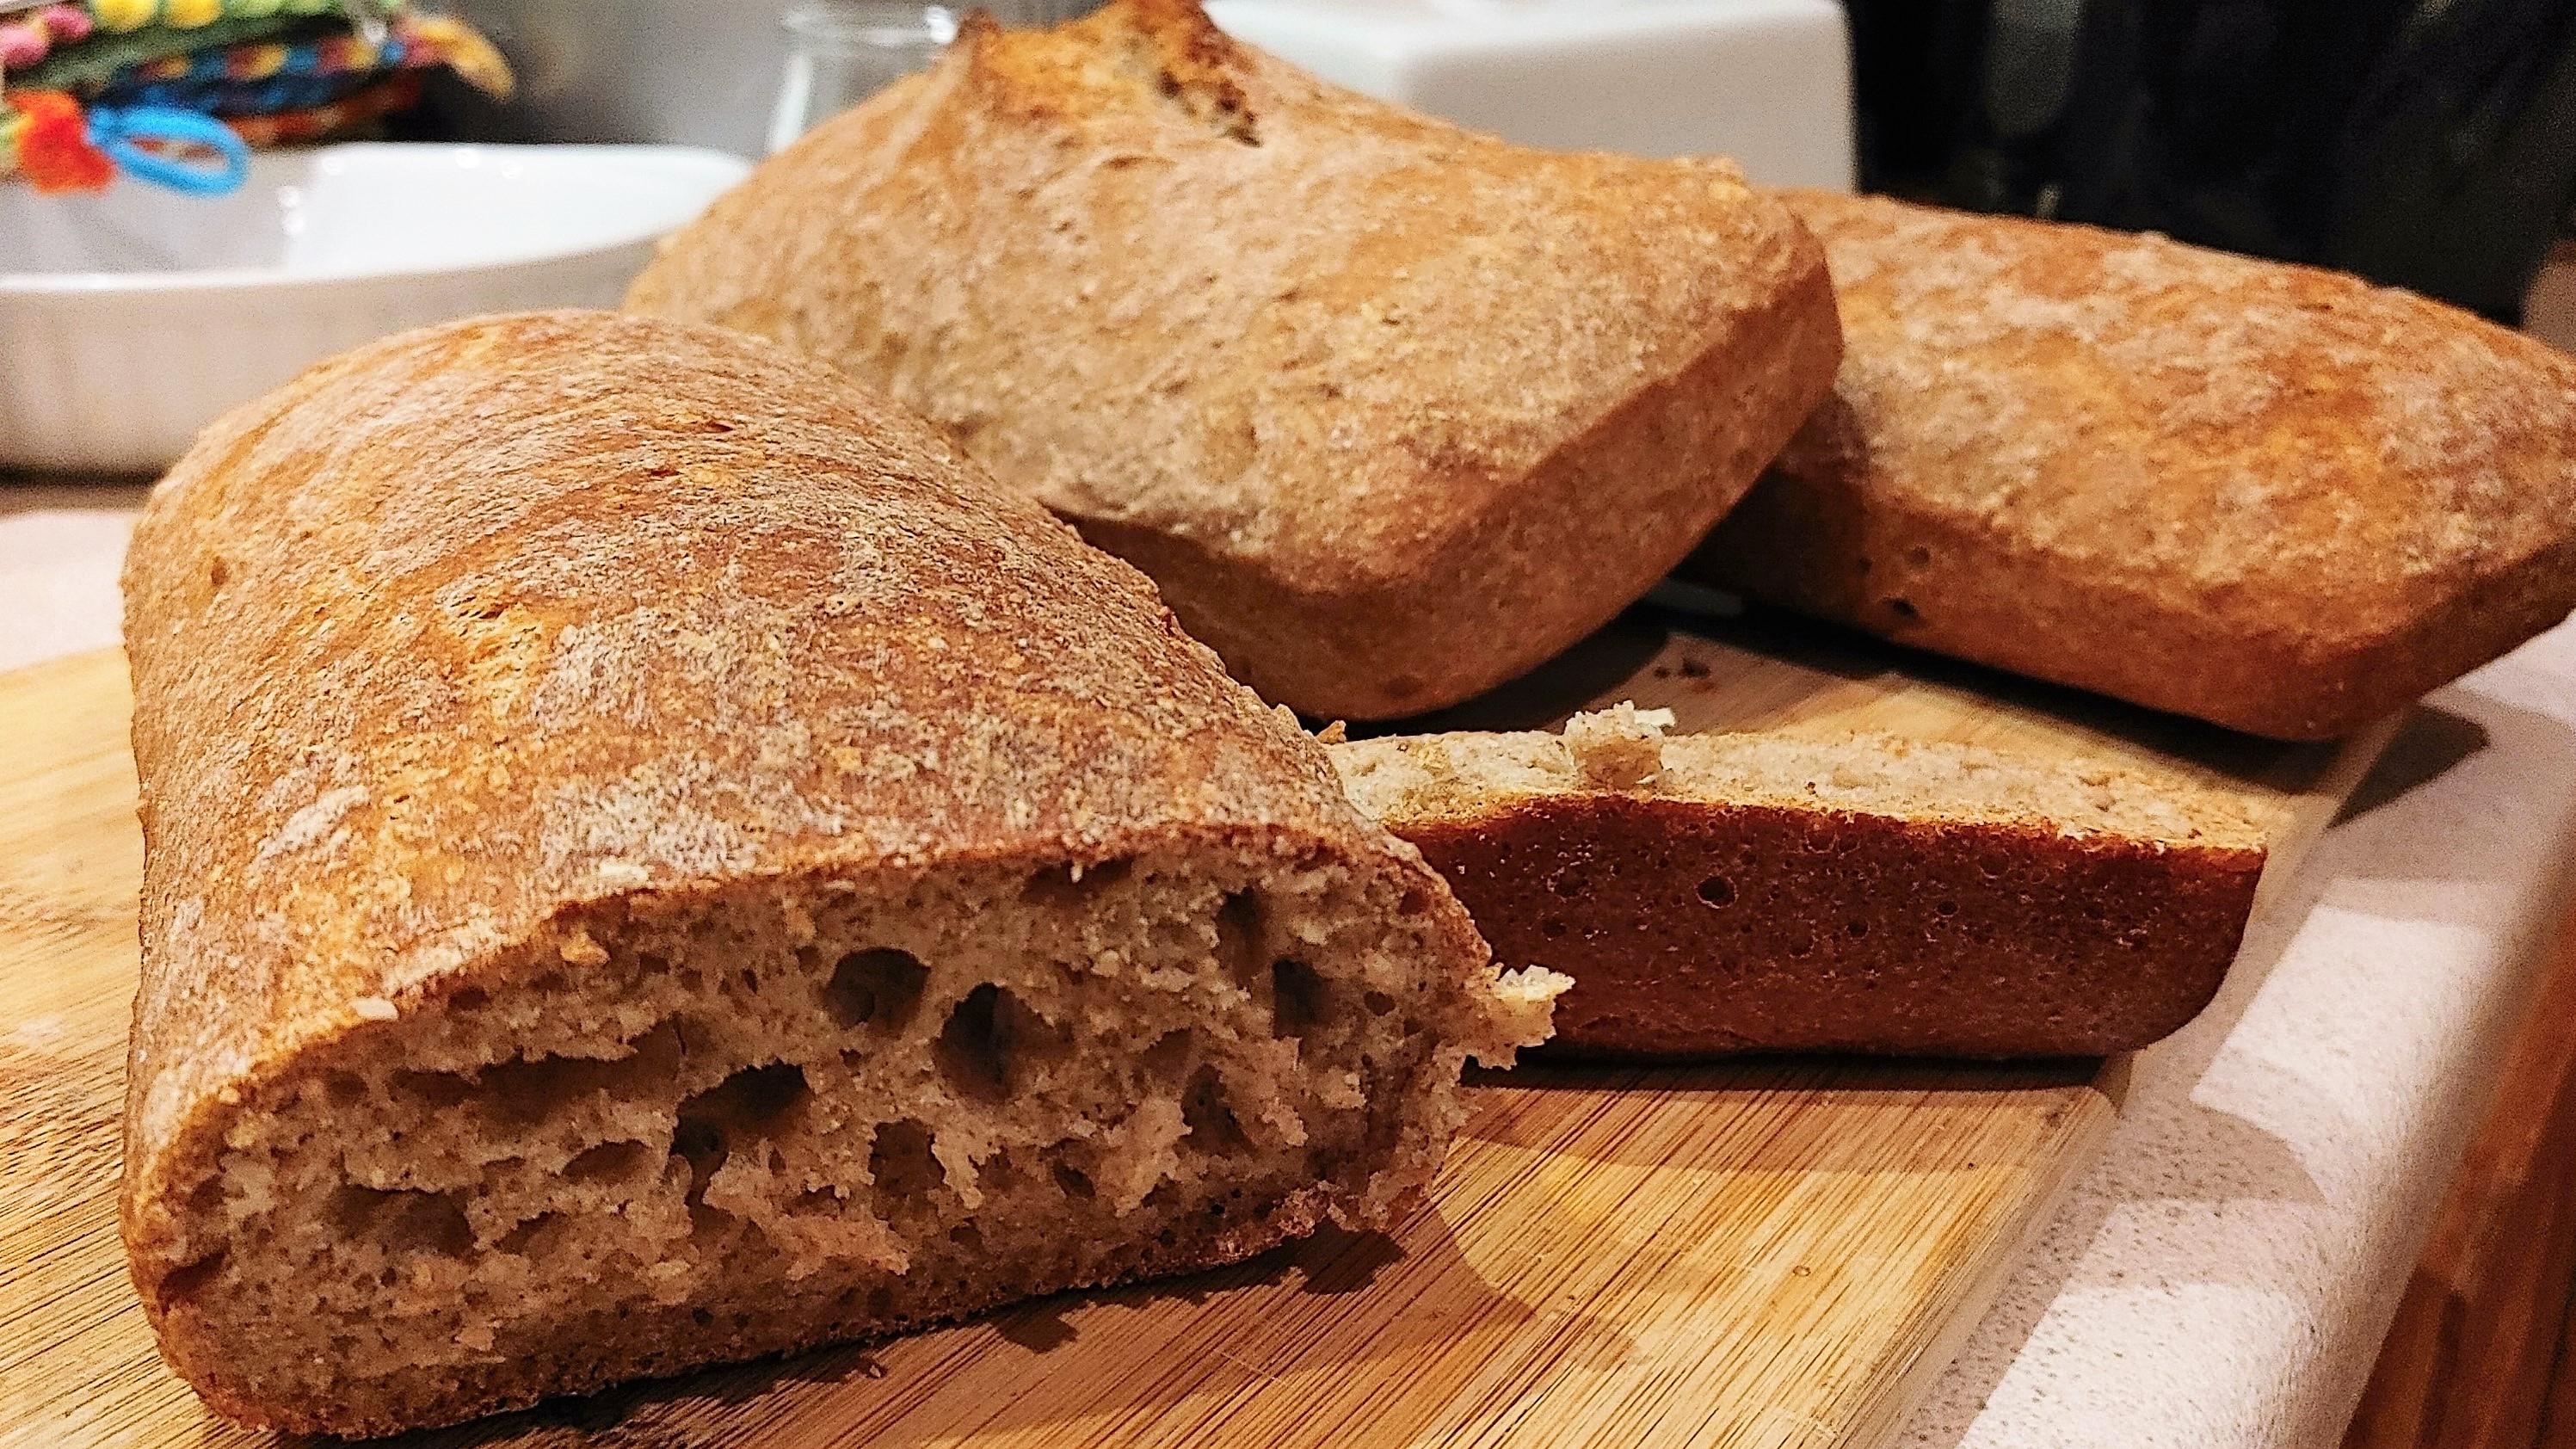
pixel 1759 1254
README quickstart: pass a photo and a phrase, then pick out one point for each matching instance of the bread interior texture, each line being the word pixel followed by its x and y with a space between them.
pixel 677 1130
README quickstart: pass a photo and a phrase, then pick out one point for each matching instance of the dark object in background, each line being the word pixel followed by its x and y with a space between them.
pixel 2427 143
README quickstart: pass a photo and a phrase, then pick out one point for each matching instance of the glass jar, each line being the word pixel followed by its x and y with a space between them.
pixel 840 52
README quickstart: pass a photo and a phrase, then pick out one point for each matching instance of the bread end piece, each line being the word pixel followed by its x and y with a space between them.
pixel 1776 894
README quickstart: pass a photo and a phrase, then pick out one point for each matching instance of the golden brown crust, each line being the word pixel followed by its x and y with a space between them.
pixel 1694 928
pixel 476 629
pixel 1392 410
pixel 2272 497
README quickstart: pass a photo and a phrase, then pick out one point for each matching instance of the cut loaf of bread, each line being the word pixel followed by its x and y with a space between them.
pixel 2276 498
pixel 1392 411
pixel 1730 893
pixel 651 858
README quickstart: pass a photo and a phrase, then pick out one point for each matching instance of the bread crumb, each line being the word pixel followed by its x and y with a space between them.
pixel 374 1008
pixel 1618 748
pixel 580 950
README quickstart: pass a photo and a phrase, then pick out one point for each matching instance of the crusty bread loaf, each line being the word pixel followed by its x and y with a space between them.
pixel 1392 411
pixel 2273 497
pixel 651 858
pixel 1748 892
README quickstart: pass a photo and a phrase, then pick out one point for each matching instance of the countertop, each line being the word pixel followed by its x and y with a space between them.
pixel 2226 1272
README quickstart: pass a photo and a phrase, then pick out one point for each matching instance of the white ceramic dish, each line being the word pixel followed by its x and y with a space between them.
pixel 1767 82
pixel 130 319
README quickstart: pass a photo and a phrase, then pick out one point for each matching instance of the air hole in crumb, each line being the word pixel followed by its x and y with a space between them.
pixel 468 998
pixel 1554 928
pixel 1238 938
pixel 1073 1181
pixel 876 988
pixel 522 1240
pixel 1918 557
pixel 748 1104
pixel 990 1041
pixel 525 1091
pixel 206 1196
pixel 347 1090
pixel 969 1050
pixel 1947 908
pixel 1214 1132
pixel 607 1160
pixel 967 1236
pixel 218 572
pixel 432 1089
pixel 1169 1057
pixel 701 1317
pixel 181 1285
pixel 901 1163
pixel 1377 1002
pixel 1717 890
pixel 1858 929
pixel 1296 998
pixel 1416 901
pixel 1904 609
pixel 402 1219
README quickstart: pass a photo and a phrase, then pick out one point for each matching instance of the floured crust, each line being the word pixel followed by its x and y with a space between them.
pixel 1717 894
pixel 1392 411
pixel 2273 497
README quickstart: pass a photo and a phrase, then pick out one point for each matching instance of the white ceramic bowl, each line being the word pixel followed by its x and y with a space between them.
pixel 130 319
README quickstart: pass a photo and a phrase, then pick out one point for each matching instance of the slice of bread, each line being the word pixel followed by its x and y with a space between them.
pixel 1392 411
pixel 652 858
pixel 2277 498
pixel 1725 893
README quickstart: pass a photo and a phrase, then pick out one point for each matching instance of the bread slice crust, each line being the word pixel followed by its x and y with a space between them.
pixel 1715 895
pixel 1391 410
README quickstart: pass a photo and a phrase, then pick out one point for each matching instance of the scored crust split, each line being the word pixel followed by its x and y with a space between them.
pixel 1391 410
pixel 1724 893
pixel 651 858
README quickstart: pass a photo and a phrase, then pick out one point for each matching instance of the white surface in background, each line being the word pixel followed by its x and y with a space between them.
pixel 130 320
pixel 2224 1275
pixel 58 582
pixel 1767 82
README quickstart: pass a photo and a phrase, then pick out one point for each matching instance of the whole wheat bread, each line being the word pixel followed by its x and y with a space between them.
pixel 651 858
pixel 2273 497
pixel 1392 411
pixel 1714 894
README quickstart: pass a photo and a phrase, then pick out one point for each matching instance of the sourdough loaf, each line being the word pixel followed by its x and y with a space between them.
pixel 1392 411
pixel 1714 894
pixel 2277 498
pixel 651 858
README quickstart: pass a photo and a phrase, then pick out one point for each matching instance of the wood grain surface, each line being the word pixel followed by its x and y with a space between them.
pixel 1780 1253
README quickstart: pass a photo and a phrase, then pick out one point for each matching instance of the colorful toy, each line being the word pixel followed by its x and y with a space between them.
pixel 174 92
